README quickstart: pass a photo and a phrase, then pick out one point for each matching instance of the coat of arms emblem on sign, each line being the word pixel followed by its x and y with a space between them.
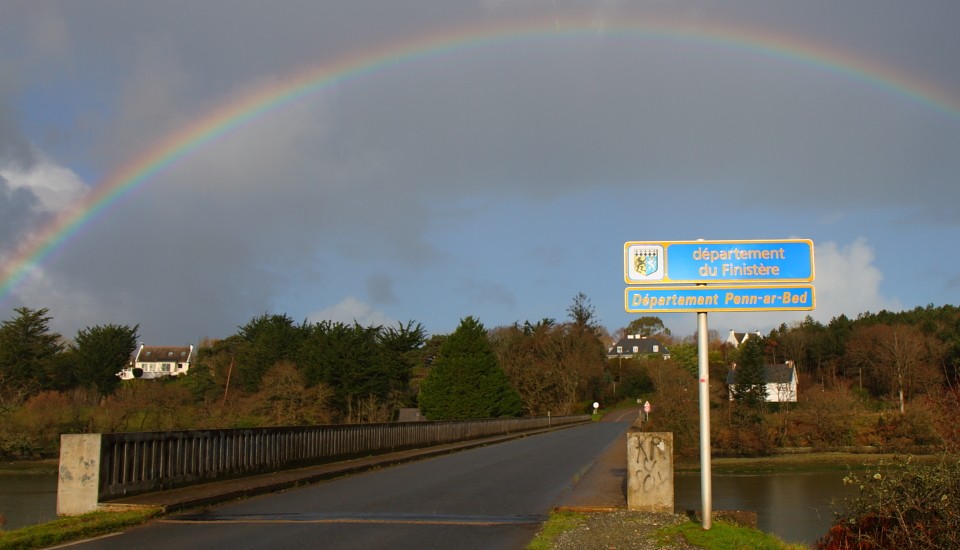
pixel 647 262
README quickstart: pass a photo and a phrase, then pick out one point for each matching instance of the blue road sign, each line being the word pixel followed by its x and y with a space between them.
pixel 755 261
pixel 665 299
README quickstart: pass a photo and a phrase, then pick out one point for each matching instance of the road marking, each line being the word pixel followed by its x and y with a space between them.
pixel 394 519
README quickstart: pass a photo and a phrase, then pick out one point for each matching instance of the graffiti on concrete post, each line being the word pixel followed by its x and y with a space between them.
pixel 650 453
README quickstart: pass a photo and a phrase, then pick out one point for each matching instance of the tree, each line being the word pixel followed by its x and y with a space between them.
pixel 585 350
pixel 646 326
pixel 687 356
pixel 100 353
pixel 537 360
pixel 398 354
pixel 582 312
pixel 897 358
pixel 465 380
pixel 27 352
pixel 674 404
pixel 285 400
pixel 750 388
pixel 267 340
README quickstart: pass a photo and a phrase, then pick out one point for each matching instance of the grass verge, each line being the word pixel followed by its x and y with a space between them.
pixel 74 528
pixel 724 536
pixel 559 522
pixel 720 536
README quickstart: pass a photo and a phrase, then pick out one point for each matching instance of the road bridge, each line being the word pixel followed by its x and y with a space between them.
pixel 490 497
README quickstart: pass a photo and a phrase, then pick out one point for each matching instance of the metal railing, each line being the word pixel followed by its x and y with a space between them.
pixel 141 462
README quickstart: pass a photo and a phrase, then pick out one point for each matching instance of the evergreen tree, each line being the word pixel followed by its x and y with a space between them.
pixel 466 381
pixel 27 353
pixel 266 341
pixel 101 352
pixel 750 388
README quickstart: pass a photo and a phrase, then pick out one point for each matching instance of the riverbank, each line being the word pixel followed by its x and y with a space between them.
pixel 796 462
pixel 48 466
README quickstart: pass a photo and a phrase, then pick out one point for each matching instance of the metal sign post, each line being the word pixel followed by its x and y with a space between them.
pixel 703 368
pixel 755 275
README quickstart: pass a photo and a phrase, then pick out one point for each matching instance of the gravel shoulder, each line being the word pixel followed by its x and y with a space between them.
pixel 622 530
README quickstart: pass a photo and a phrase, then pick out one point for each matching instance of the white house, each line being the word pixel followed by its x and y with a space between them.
pixel 781 381
pixel 157 362
pixel 737 338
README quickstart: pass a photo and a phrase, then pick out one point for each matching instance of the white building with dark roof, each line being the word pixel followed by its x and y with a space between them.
pixel 780 379
pixel 634 345
pixel 157 362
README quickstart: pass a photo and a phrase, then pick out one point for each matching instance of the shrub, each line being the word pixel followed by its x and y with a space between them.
pixel 900 505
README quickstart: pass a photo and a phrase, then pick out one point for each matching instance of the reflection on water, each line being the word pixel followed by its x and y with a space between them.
pixel 795 506
pixel 28 499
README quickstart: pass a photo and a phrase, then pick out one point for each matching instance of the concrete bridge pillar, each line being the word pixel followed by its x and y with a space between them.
pixel 79 474
pixel 650 471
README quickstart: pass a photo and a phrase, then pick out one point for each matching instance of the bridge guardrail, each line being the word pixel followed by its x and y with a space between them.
pixel 139 462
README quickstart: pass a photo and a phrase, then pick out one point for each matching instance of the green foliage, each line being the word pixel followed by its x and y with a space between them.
pixel 750 388
pixel 900 505
pixel 635 378
pixel 344 357
pixel 723 536
pixel 582 312
pixel 559 522
pixel 267 340
pixel 72 528
pixel 100 353
pixel 686 356
pixel 399 353
pixel 147 405
pixel 27 352
pixel 199 381
pixel 361 363
pixel 466 380
pixel 646 325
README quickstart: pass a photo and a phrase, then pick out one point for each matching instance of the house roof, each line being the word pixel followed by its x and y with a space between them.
pixel 779 373
pixel 737 338
pixel 157 354
pixel 645 345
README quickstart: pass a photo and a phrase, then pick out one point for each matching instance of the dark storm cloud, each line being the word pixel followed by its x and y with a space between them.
pixel 14 149
pixel 17 211
pixel 380 289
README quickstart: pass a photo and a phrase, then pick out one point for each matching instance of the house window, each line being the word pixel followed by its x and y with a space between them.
pixel 165 367
pixel 636 349
pixel 619 349
pixel 656 348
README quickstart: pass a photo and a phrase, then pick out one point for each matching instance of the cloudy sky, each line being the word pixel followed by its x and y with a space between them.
pixel 432 159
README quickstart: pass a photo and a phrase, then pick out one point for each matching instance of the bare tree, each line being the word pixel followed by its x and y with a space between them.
pixel 897 359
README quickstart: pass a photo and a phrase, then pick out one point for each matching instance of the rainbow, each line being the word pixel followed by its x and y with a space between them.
pixel 259 102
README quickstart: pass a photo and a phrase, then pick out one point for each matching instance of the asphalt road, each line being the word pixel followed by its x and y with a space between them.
pixel 492 497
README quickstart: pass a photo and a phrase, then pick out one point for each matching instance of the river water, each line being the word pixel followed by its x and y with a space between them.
pixel 27 499
pixel 794 506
